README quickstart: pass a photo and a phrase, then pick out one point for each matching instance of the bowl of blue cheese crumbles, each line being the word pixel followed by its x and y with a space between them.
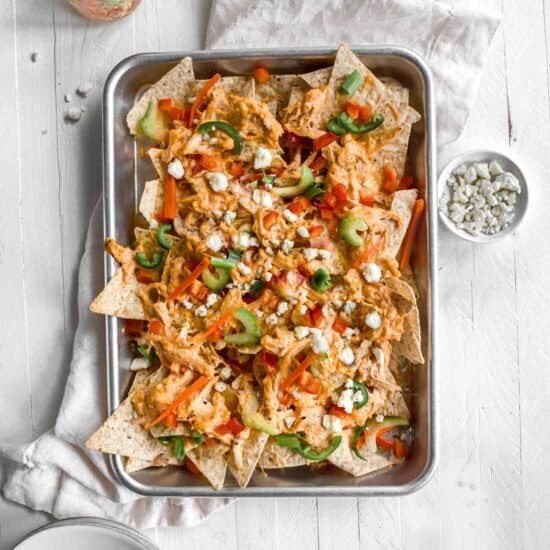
pixel 482 195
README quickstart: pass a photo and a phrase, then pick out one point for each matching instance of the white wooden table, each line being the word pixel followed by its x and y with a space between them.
pixel 492 488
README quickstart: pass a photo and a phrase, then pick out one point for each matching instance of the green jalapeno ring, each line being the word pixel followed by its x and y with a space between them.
pixel 360 387
pixel 226 128
pixel 163 240
pixel 299 444
pixel 321 280
pixel 144 261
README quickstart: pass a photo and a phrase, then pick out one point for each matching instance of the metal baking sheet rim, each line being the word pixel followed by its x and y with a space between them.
pixel 109 229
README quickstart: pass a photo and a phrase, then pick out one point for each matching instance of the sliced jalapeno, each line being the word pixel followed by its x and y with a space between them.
pixel 302 447
pixel 149 263
pixel 226 128
pixel 321 280
pixel 162 238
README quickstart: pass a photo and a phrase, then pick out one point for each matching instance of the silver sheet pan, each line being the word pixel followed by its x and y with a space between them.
pixel 124 175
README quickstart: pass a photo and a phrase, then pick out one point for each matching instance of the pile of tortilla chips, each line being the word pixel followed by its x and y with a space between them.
pixel 217 427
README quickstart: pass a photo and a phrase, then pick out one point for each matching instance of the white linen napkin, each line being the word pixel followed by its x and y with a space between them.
pixel 453 41
pixel 54 473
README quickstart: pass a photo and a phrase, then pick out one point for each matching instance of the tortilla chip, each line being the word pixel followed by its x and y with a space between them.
pixel 245 453
pixel 318 78
pixel 161 430
pixel 152 201
pixel 120 435
pixel 210 461
pixel 394 108
pixel 120 299
pixel 345 459
pixel 402 294
pixel 238 85
pixel 402 203
pixel 276 456
pixel 395 150
pixel 136 464
pixel 276 91
pixel 155 155
pixel 410 345
pixel 178 83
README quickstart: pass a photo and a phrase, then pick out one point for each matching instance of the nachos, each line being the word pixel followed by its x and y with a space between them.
pixel 267 293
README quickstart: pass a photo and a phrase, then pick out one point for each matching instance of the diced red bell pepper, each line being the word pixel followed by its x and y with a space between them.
pixel 315 231
pixel 208 162
pixel 236 169
pixel 383 442
pixel 233 425
pixel 166 103
pixel 270 219
pixel 297 206
pixel 316 316
pixel 270 360
pixel 339 325
pixel 155 326
pixel 324 140
pixel 335 410
pixel 365 113
pixel 133 327
pixel 389 179
pixel 318 164
pixel 341 194
pixel 353 109
pixel 407 182
pixel 366 198
pixel 326 212
pixel 145 276
pixel 400 449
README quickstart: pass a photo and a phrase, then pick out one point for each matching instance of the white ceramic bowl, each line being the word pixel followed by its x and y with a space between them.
pixel 483 156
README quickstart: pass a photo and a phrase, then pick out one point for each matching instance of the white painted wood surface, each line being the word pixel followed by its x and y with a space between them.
pixel 491 489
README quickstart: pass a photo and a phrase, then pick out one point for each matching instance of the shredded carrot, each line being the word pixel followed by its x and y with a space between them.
pixel 170 200
pixel 188 281
pixel 214 327
pixel 408 242
pixel 171 421
pixel 200 96
pixel 187 393
pixel 261 74
pixel 297 372
pixel 364 256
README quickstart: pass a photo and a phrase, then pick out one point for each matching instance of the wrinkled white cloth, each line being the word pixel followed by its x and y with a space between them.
pixel 453 41
pixel 55 473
